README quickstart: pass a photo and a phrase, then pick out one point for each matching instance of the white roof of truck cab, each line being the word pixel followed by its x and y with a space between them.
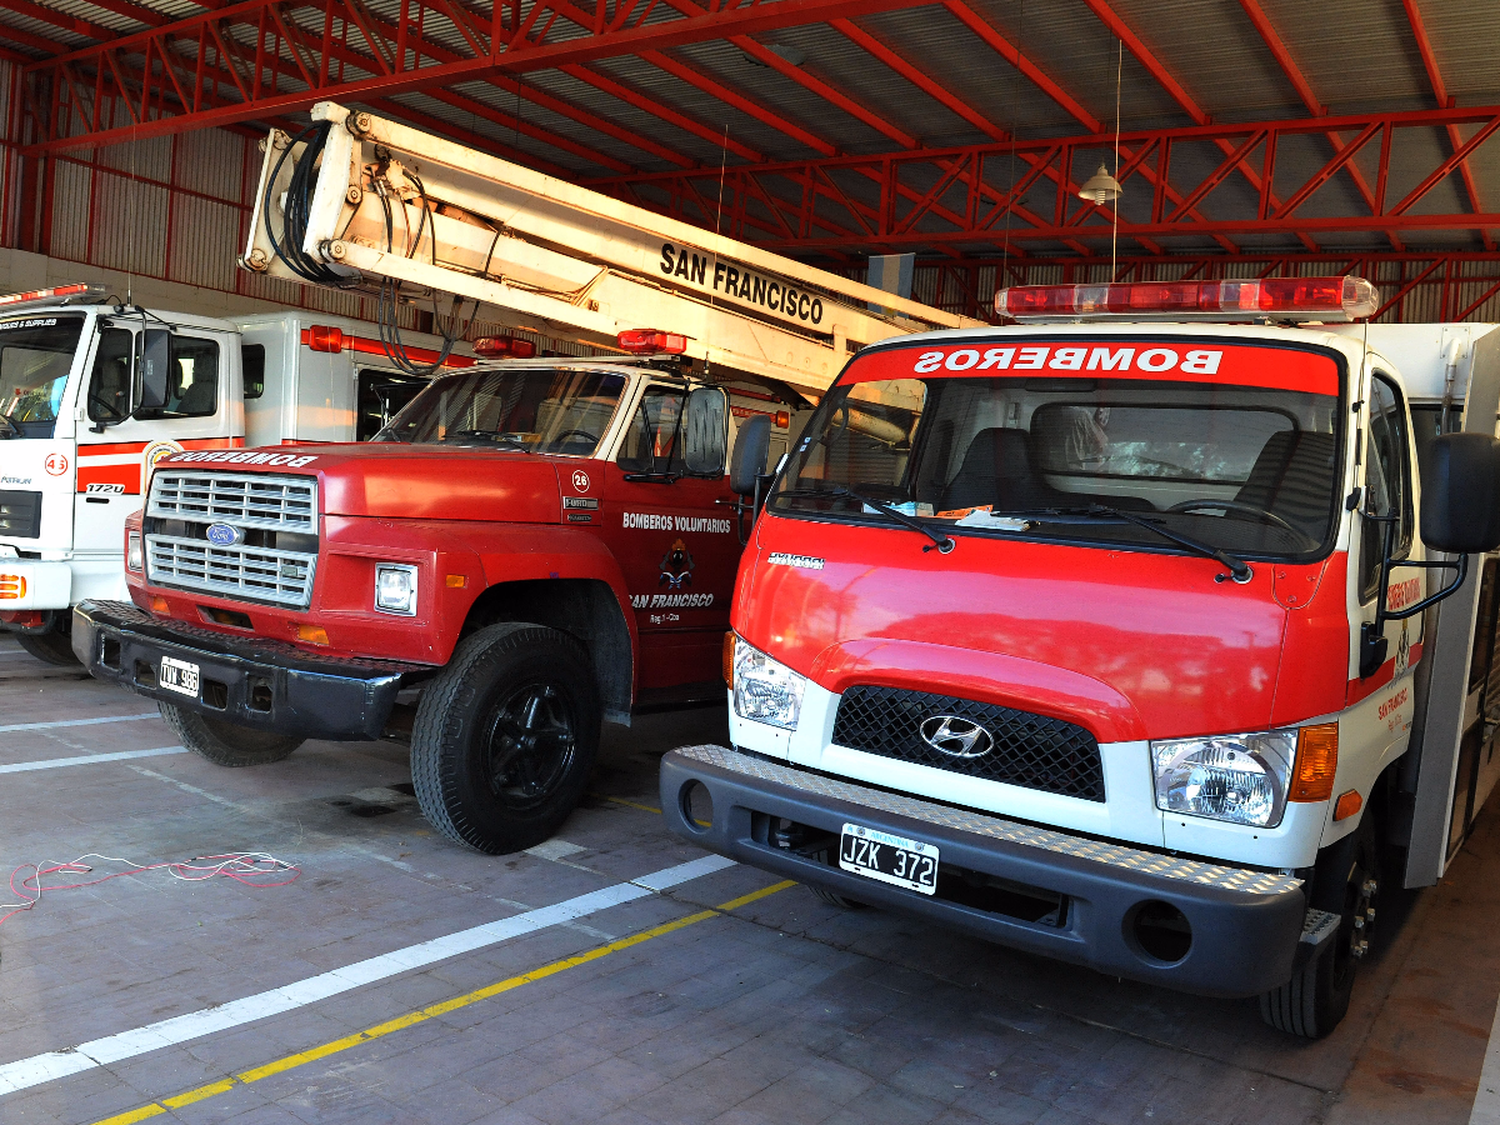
pixel 158 317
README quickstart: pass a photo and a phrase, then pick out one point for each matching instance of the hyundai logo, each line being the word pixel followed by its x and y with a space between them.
pixel 956 737
pixel 225 535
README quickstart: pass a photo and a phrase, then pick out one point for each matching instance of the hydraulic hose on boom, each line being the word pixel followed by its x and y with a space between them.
pixel 358 201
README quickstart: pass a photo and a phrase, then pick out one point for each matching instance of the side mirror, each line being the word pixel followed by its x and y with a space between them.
pixel 752 449
pixel 1461 497
pixel 155 362
pixel 705 431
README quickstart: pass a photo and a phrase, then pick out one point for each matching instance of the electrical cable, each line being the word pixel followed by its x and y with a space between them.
pixel 260 870
pixel 298 208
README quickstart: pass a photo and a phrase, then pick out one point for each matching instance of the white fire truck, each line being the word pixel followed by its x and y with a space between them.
pixel 78 436
pixel 1131 635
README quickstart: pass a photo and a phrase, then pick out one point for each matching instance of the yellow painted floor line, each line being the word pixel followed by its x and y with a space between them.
pixel 633 805
pixel 421 1015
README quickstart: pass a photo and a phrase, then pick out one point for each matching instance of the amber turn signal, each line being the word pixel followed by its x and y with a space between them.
pixel 729 658
pixel 1317 762
pixel 1348 804
pixel 159 605
pixel 312 634
pixel 457 581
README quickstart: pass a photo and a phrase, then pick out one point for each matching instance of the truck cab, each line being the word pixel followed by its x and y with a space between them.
pixel 527 549
pixel 1099 636
pixel 78 435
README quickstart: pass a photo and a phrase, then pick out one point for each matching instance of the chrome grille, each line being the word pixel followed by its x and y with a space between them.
pixel 252 573
pixel 276 503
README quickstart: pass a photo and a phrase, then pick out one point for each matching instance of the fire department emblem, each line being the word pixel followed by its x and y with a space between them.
pixel 155 451
pixel 580 480
pixel 676 567
pixel 1403 651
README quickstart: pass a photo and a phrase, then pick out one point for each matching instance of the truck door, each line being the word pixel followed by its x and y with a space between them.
pixel 380 394
pixel 676 545
pixel 116 447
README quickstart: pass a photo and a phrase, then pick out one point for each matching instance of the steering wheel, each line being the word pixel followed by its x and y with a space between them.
pixel 560 438
pixel 1237 506
pixel 96 399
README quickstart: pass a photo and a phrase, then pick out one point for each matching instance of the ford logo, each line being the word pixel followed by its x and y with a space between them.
pixel 956 737
pixel 225 535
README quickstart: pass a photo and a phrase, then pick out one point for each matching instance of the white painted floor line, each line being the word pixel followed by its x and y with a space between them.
pixel 81 722
pixel 89 759
pixel 25 1073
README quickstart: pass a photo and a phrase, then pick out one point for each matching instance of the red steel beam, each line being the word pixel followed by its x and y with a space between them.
pixel 1440 92
pixel 1143 55
pixel 1304 89
pixel 976 223
pixel 519 49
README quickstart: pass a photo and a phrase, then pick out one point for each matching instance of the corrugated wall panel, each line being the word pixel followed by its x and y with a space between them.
pixel 129 226
pixel 71 211
pixel 203 238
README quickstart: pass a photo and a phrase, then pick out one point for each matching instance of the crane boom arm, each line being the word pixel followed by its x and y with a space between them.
pixel 394 204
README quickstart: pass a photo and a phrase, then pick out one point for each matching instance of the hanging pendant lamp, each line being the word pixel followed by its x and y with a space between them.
pixel 1101 188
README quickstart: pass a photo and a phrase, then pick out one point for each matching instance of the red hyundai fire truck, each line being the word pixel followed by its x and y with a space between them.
pixel 529 546
pixel 1115 636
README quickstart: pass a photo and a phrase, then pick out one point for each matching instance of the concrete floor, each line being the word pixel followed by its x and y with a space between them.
pixel 598 979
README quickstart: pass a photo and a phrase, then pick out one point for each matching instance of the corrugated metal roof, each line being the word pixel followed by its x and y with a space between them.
pixel 1355 57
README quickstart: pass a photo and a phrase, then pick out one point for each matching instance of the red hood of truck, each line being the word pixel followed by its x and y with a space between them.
pixel 1129 644
pixel 394 481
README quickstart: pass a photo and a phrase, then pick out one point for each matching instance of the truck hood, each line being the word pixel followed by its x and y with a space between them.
pixel 395 481
pixel 1129 644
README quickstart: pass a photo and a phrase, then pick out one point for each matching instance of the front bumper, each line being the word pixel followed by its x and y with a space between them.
pixel 1246 926
pixel 34 584
pixel 250 681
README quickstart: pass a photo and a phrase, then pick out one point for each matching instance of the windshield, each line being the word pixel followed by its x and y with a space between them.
pixel 36 354
pixel 543 411
pixel 1244 462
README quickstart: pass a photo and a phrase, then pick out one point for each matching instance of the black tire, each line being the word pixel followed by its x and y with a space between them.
pixel 54 647
pixel 1345 882
pixel 505 737
pixel 834 899
pixel 227 744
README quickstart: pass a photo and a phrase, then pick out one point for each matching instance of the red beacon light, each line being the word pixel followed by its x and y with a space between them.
pixel 1297 299
pixel 650 341
pixel 77 293
pixel 504 347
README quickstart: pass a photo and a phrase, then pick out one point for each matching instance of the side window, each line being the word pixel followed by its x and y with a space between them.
pixel 253 361
pixel 1387 483
pixel 192 380
pixel 109 385
pixel 382 394
pixel 654 441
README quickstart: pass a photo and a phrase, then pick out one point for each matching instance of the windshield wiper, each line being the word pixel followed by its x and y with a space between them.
pixel 1239 570
pixel 942 542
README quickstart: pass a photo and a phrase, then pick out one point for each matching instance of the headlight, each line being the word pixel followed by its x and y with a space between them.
pixel 766 690
pixel 396 589
pixel 1241 778
pixel 134 556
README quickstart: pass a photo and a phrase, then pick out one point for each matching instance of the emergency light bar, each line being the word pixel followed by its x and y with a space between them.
pixel 650 341
pixel 1274 298
pixel 504 347
pixel 78 293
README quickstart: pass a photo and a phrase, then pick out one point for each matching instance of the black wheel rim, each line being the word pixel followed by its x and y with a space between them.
pixel 529 742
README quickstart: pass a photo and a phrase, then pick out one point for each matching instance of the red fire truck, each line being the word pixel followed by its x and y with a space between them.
pixel 530 545
pixel 1115 636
